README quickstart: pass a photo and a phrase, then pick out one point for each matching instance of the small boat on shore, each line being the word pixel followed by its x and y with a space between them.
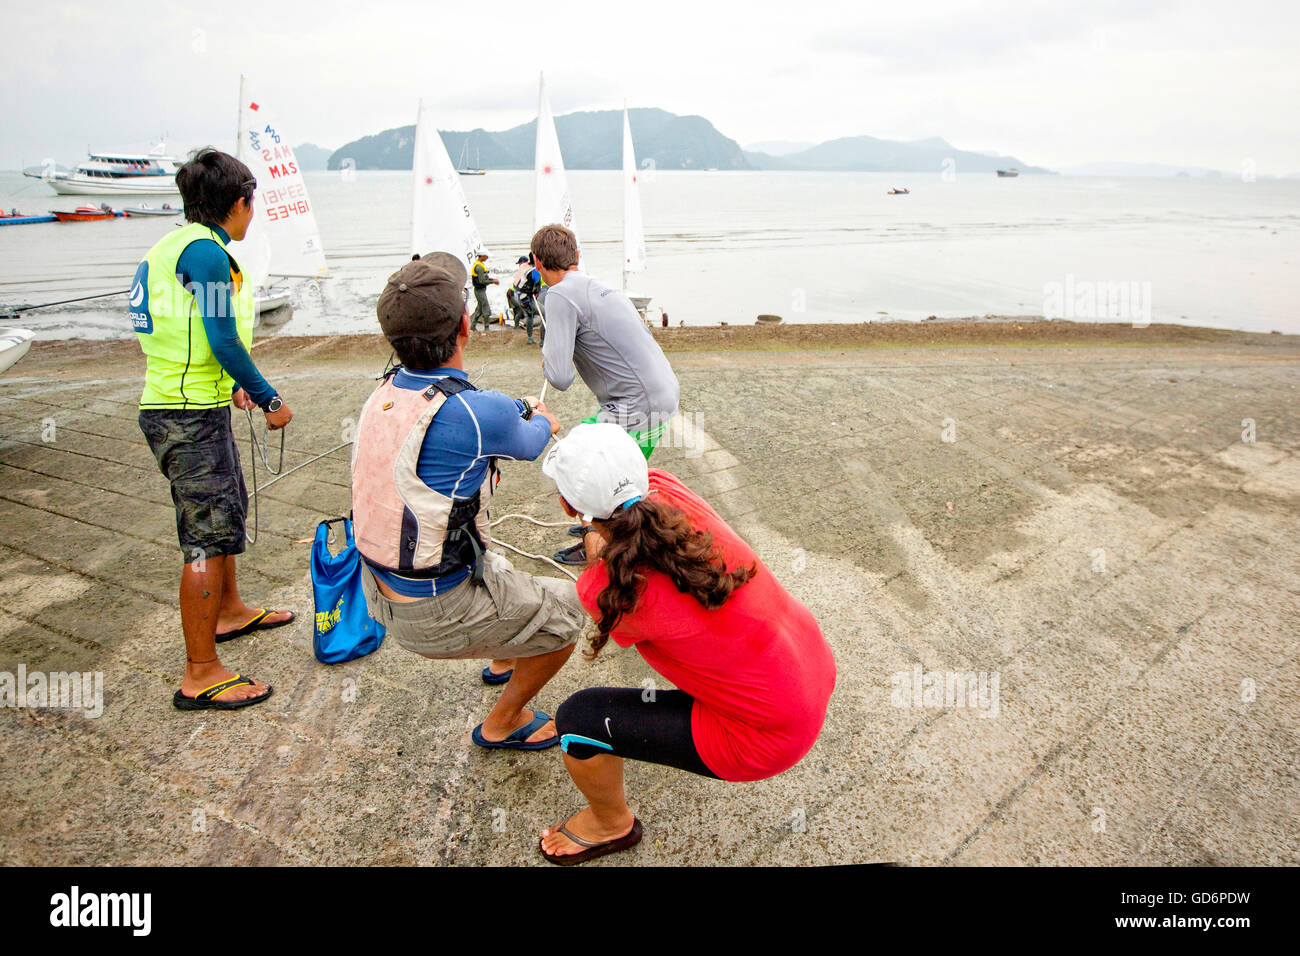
pixel 85 214
pixel 900 192
pixel 14 344
pixel 1011 173
pixel 144 209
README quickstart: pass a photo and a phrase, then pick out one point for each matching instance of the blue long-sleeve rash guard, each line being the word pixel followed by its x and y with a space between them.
pixel 471 427
pixel 206 263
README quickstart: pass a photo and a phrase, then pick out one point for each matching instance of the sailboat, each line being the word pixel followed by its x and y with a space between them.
pixel 441 220
pixel 463 166
pixel 554 203
pixel 633 233
pixel 283 238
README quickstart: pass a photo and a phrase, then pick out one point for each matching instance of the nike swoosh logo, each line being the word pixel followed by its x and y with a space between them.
pixel 607 730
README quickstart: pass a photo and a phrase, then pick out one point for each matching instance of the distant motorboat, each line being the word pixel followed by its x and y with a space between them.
pixel 85 214
pixel 14 344
pixel 1011 173
pixel 900 192
pixel 144 209
pixel 106 174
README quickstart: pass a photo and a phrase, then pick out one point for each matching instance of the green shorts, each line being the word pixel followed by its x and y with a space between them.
pixel 646 440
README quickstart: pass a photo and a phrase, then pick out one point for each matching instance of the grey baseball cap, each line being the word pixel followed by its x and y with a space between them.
pixel 425 298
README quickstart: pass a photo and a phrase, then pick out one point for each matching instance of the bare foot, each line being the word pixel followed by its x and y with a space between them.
pixel 584 824
pixel 496 734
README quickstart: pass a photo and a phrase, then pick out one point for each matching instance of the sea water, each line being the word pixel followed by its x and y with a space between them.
pixel 727 246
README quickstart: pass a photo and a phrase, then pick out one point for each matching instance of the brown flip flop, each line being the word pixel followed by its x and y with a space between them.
pixel 594 850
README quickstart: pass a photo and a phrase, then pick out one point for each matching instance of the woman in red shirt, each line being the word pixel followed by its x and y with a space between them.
pixel 668 576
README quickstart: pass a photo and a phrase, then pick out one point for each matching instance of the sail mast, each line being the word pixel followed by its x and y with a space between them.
pixel 633 232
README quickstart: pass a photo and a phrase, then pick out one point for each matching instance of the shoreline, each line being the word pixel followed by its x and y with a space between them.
pixel 985 332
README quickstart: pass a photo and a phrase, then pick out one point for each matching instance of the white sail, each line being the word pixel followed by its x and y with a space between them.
pixel 633 233
pixel 440 217
pixel 283 238
pixel 554 204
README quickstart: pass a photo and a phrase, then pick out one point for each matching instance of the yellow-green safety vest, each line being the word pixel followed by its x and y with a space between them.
pixel 182 371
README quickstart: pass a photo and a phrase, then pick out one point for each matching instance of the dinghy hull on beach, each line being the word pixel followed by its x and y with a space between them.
pixel 14 344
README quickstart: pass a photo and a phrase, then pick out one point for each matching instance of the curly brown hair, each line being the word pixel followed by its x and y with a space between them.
pixel 657 536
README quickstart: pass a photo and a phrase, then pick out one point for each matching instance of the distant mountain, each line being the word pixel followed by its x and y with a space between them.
pixel 868 154
pixel 594 140
pixel 588 140
pixel 778 147
pixel 1141 169
pixel 311 157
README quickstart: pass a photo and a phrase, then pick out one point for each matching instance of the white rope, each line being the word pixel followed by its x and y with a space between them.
pixel 536 557
pixel 543 524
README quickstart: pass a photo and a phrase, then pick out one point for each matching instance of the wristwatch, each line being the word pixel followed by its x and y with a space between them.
pixel 588 529
pixel 273 405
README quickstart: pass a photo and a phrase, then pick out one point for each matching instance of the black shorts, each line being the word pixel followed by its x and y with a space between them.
pixel 649 725
pixel 196 452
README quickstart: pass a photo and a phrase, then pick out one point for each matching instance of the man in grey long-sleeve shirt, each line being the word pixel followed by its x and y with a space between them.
pixel 595 331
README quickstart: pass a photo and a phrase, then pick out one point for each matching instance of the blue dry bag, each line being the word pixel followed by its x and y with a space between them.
pixel 344 628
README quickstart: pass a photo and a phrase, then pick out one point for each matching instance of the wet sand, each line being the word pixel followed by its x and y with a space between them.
pixel 1098 536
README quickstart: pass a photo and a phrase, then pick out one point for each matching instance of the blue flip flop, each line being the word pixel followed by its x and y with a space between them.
pixel 493 679
pixel 519 739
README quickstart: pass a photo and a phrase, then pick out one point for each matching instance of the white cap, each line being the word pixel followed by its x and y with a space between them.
pixel 598 468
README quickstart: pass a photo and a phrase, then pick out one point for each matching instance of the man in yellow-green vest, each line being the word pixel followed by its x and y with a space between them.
pixel 192 308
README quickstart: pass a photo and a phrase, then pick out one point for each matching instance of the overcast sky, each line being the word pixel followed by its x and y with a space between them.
pixel 1055 84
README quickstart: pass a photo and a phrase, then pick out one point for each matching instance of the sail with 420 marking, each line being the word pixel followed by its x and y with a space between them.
pixel 554 203
pixel 441 220
pixel 283 238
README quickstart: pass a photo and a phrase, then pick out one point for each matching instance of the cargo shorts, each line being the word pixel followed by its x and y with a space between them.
pixel 195 450
pixel 510 614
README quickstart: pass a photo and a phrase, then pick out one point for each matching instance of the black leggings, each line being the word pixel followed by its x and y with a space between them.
pixel 649 725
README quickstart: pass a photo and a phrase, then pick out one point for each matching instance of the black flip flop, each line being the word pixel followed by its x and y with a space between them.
pixel 575 555
pixel 256 624
pixel 206 699
pixel 593 850
pixel 492 680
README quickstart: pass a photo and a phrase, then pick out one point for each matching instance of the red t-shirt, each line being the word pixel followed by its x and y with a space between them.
pixel 758 667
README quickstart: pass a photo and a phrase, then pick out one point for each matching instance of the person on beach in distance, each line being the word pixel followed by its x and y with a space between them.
pixel 526 285
pixel 481 280
pixel 753 671
pixel 424 464
pixel 594 329
pixel 192 310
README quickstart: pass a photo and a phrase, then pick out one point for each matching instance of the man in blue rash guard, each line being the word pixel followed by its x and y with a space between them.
pixel 424 468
